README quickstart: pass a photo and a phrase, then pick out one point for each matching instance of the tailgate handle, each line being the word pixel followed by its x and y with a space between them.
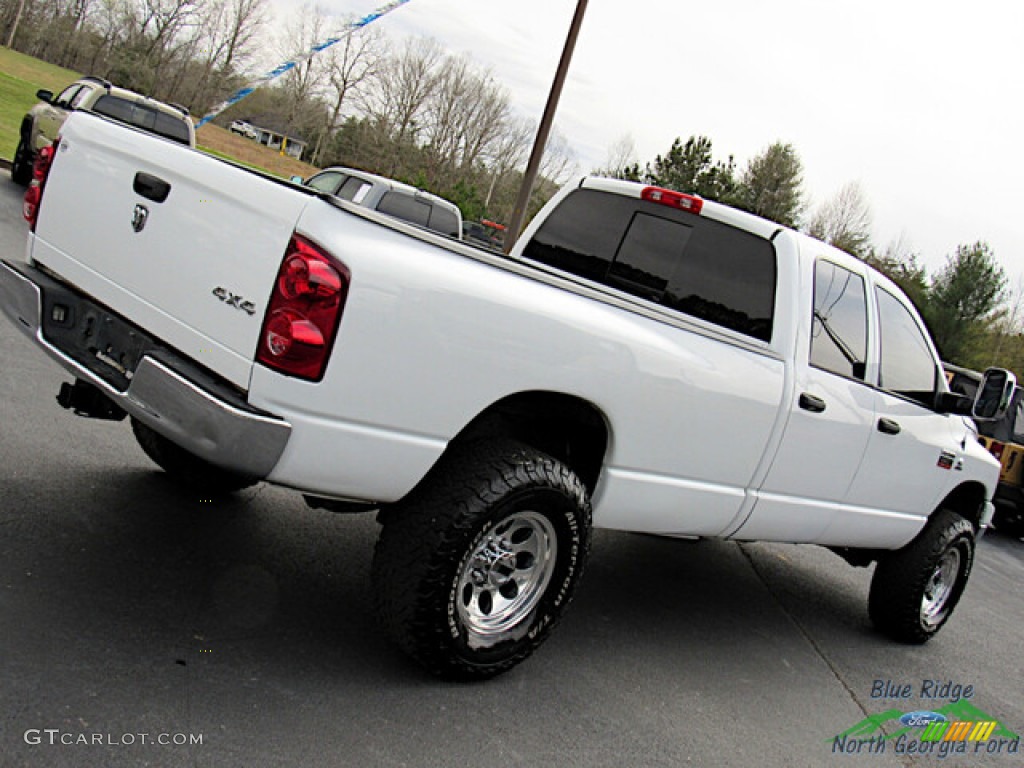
pixel 151 187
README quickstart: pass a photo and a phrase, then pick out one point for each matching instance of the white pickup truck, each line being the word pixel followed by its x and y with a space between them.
pixel 643 360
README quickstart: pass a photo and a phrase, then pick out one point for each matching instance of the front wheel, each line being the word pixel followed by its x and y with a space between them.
pixel 21 165
pixel 915 589
pixel 472 571
pixel 1009 520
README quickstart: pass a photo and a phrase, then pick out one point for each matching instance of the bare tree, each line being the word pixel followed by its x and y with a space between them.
pixel 620 161
pixel 483 121
pixel 464 116
pixel 509 151
pixel 559 163
pixel 844 221
pixel 227 34
pixel 307 81
pixel 167 27
pixel 404 86
pixel 351 66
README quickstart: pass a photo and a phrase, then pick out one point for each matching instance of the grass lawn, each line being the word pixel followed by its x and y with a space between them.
pixel 222 143
pixel 21 76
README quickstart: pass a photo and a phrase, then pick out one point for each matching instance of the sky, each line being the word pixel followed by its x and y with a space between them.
pixel 918 102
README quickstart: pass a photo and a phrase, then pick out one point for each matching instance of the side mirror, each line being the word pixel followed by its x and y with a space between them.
pixel 44 95
pixel 953 402
pixel 296 179
pixel 994 394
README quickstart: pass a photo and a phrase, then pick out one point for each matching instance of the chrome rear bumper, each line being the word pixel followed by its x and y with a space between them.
pixel 165 391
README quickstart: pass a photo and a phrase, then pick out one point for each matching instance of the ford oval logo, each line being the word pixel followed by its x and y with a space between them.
pixel 921 718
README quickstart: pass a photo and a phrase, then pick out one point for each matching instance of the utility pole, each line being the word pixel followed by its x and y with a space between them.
pixel 515 226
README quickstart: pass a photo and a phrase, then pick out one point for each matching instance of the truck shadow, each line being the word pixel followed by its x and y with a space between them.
pixel 262 577
pixel 650 590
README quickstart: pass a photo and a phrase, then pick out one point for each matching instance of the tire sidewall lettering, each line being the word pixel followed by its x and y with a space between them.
pixel 563 516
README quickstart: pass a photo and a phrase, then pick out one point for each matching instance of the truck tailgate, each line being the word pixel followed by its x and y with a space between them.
pixel 196 268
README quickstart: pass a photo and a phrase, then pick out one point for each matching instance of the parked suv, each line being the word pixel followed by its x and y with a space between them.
pixel 391 197
pixel 40 126
pixel 1004 439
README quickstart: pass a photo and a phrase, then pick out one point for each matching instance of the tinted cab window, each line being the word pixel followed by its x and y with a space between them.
pixel 691 264
pixel 907 365
pixel 839 329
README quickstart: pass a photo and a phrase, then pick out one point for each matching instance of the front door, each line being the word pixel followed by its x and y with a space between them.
pixel 914 452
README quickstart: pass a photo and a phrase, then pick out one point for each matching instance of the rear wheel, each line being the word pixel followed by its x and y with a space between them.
pixel 188 469
pixel 21 165
pixel 475 568
pixel 915 589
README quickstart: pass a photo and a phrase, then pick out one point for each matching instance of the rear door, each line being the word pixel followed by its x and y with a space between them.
pixel 832 414
pixel 183 244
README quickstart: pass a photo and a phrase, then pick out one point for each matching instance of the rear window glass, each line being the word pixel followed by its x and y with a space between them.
pixel 142 116
pixel 691 264
pixel 444 221
pixel 354 190
pixel 405 207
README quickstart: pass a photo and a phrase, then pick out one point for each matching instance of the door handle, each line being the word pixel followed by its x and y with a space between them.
pixel 888 427
pixel 151 187
pixel 812 403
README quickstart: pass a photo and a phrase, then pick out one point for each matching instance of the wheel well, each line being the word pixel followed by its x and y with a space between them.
pixel 567 428
pixel 967 501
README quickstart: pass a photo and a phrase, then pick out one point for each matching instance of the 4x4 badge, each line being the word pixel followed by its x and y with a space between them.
pixel 139 217
pixel 234 300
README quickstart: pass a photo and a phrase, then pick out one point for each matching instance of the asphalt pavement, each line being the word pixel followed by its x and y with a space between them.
pixel 142 626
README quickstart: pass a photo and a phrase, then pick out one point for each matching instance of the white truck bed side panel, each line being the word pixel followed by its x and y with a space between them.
pixel 431 338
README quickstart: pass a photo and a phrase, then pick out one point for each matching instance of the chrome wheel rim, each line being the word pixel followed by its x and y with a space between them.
pixel 940 587
pixel 505 576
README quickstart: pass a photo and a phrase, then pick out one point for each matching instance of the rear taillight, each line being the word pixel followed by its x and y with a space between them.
pixel 34 193
pixel 304 312
pixel 672 199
